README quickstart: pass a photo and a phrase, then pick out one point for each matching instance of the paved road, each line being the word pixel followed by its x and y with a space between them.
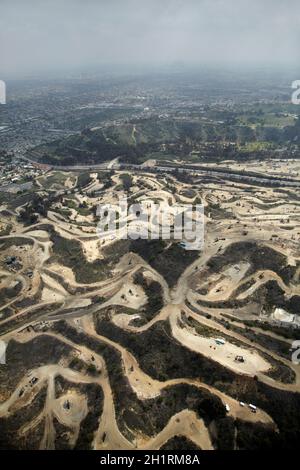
pixel 217 171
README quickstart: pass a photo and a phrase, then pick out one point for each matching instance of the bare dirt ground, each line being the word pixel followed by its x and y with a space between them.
pixel 40 290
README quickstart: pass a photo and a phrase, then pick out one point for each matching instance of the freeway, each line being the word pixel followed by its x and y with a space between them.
pixel 195 170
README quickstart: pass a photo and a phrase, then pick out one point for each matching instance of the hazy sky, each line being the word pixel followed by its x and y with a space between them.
pixel 41 35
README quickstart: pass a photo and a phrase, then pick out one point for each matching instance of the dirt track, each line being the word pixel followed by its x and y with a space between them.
pixel 74 302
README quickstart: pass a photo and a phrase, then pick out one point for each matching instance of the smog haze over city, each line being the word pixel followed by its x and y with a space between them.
pixel 54 35
pixel 149 231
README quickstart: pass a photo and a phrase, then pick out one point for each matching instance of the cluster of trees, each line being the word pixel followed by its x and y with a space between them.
pixel 105 179
pixel 39 205
pixel 213 142
pixel 154 293
pixel 127 181
pixel 83 180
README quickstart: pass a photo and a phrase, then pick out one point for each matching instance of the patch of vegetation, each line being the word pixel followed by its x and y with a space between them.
pixel 22 357
pixel 8 293
pixel 271 296
pixel 11 438
pixel 69 253
pixel 154 293
pixel 126 181
pixel 83 180
pixel 6 230
pixel 146 416
pixel 224 433
pixel 38 205
pixel 256 436
pixel 259 256
pixel 90 423
pixel 179 443
pixel 282 406
pixel 160 356
pixel 168 260
pixel 284 331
